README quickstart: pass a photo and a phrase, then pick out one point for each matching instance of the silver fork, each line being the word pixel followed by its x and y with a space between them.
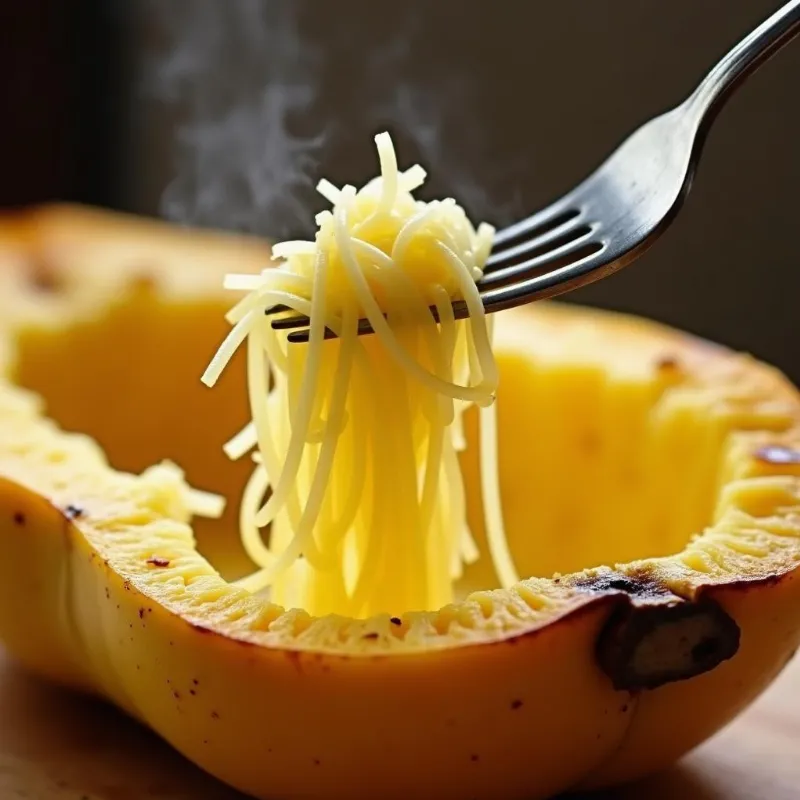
pixel 610 219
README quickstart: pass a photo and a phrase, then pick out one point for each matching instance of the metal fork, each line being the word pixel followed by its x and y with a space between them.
pixel 610 219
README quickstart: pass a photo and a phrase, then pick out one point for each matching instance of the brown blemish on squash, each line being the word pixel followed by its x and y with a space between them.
pixel 19 518
pixel 156 561
pixel 372 635
pixel 667 363
pixel 43 276
pixel 777 455
pixel 395 620
pixel 590 443
pixel 141 613
pixel 215 715
pixel 516 704
pixel 294 657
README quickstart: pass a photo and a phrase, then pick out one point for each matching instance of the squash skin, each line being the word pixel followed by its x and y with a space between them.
pixel 304 721
pixel 286 723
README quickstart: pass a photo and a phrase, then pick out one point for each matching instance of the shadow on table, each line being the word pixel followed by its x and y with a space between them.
pixel 678 783
pixel 55 745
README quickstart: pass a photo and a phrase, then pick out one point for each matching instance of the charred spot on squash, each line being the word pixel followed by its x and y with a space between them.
pixel 646 646
pixel 636 585
pixel 72 512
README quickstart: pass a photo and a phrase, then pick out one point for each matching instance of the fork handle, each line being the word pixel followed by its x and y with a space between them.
pixel 743 59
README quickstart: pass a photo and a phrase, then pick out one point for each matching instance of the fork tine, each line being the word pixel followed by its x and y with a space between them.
pixel 298 337
pixel 364 326
pixel 460 311
pixel 553 282
pixel 547 241
pixel 289 323
pixel 558 256
pixel 553 216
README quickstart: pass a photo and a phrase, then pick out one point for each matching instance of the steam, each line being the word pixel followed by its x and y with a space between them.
pixel 235 74
pixel 264 108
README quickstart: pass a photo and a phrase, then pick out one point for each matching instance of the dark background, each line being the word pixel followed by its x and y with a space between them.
pixel 507 103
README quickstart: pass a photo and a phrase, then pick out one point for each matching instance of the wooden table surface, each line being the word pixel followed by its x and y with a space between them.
pixel 57 746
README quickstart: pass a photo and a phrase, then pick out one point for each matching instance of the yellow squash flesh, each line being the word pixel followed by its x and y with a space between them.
pixel 622 443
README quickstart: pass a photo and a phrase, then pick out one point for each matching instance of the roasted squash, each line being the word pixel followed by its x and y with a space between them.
pixel 651 487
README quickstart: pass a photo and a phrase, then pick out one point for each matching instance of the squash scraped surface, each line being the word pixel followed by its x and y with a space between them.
pixel 574 462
